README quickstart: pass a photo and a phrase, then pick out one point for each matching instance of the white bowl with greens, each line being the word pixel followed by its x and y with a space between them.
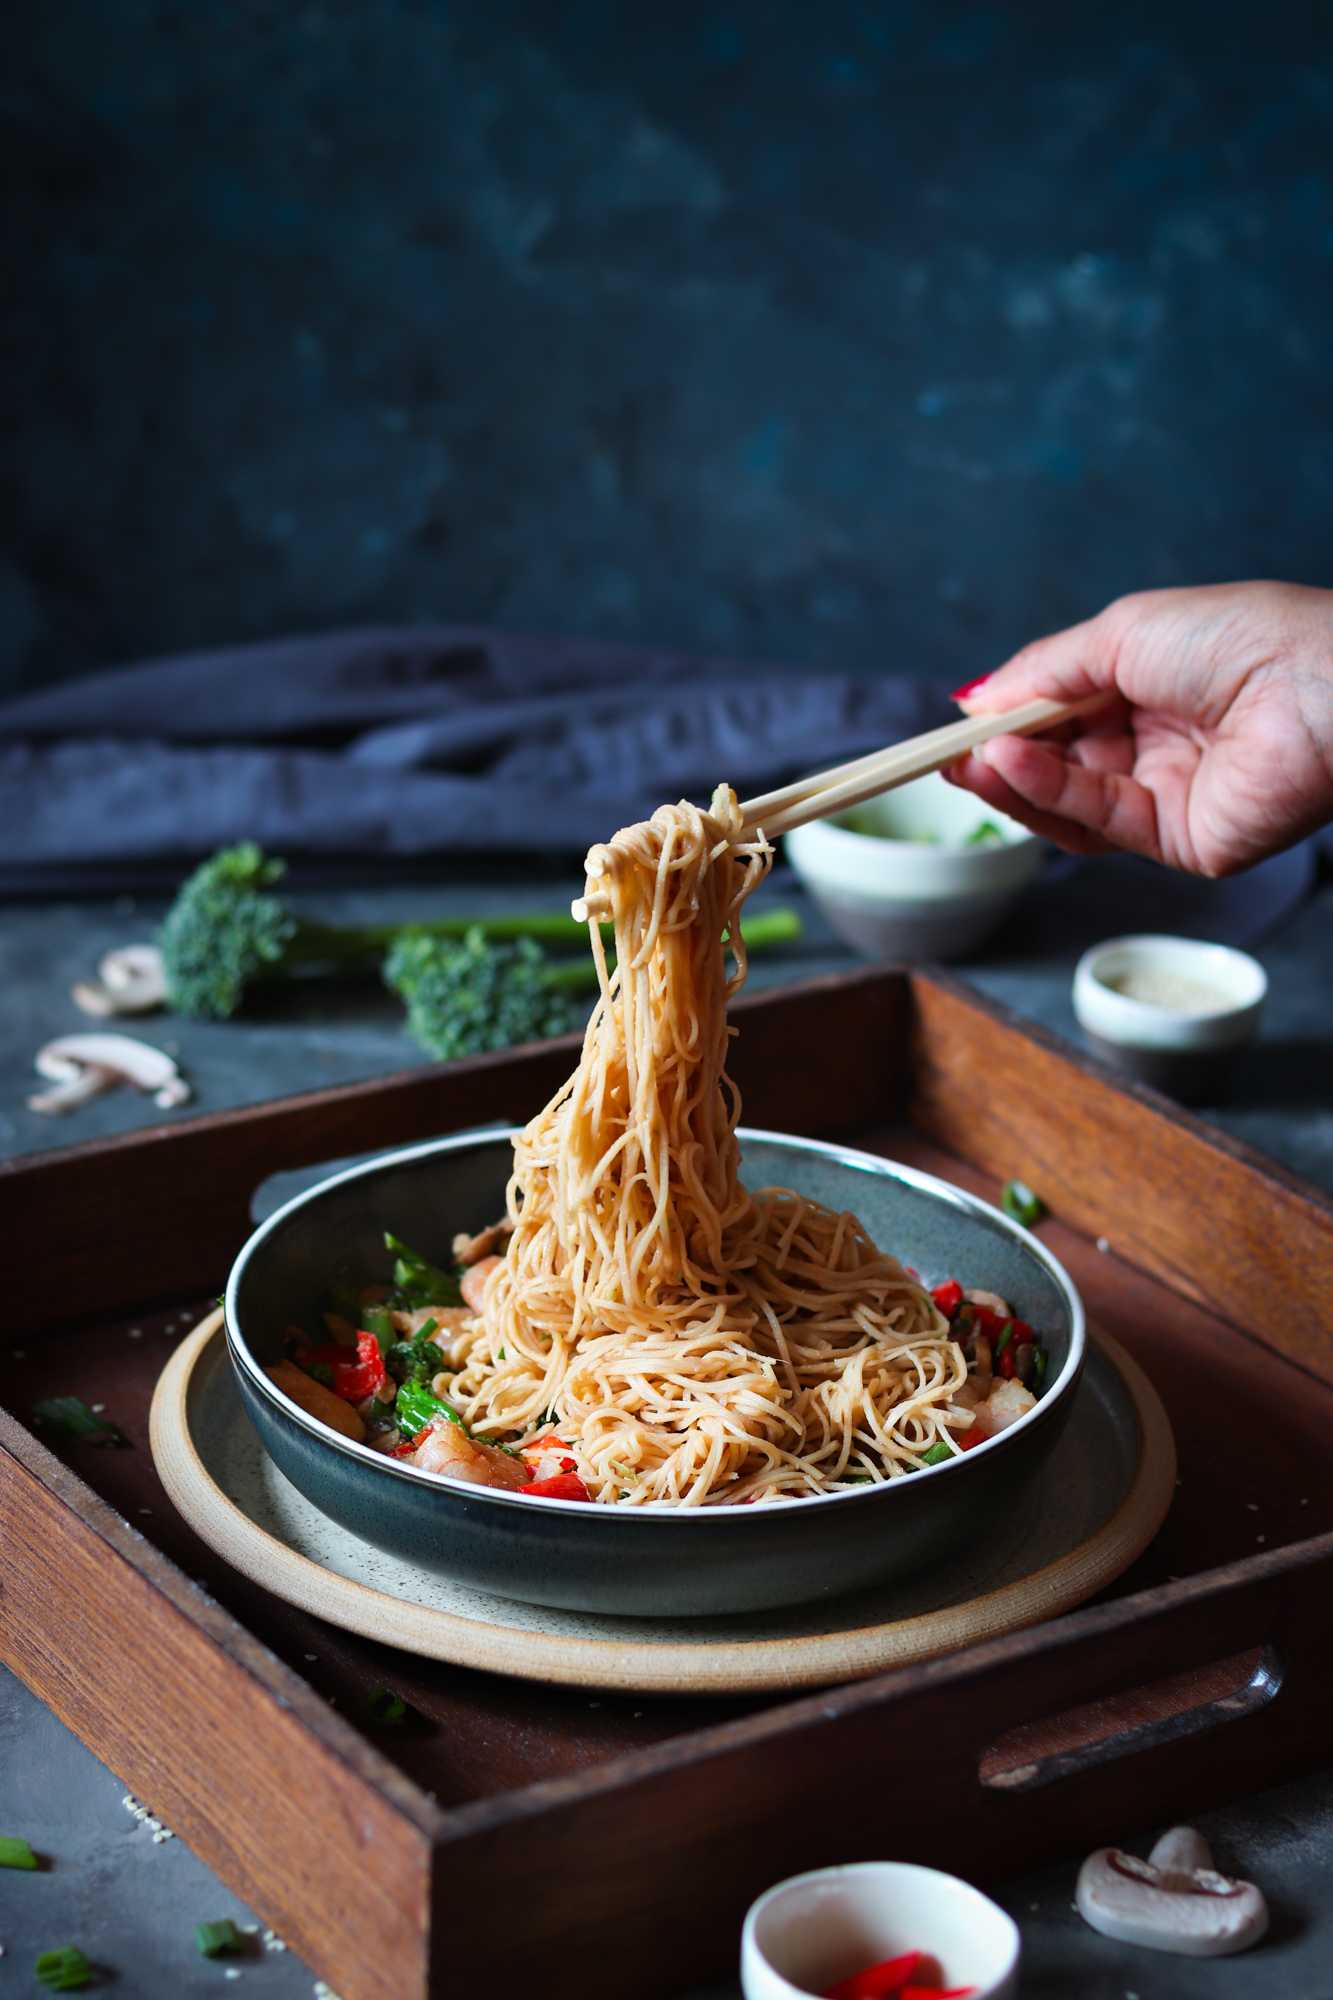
pixel 926 871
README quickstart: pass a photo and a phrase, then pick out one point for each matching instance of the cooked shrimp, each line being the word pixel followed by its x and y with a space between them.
pixel 473 1282
pixel 448 1449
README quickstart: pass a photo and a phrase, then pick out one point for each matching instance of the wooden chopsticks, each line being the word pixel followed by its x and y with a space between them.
pixel 866 777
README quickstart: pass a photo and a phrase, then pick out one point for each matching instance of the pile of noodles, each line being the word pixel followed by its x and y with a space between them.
pixel 694 1343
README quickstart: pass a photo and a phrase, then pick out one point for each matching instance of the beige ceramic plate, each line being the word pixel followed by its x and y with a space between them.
pixel 1098 1503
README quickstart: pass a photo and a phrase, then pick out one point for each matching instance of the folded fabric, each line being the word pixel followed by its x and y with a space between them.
pixel 392 743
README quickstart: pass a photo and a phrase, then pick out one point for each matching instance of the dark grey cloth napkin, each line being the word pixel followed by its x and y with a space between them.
pixel 399 743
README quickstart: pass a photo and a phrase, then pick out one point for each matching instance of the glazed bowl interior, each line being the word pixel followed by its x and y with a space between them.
pixel 656 1560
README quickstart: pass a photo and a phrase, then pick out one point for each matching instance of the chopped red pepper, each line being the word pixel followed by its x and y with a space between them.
pixel 875 1982
pixel 934 1992
pixel 565 1486
pixel 355 1376
pixel 966 1439
pixel 948 1297
pixel 1004 1367
pixel 410 1444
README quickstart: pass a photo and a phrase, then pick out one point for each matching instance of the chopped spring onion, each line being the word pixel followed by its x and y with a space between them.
pixel 320 1371
pixel 219 1940
pixel 68 1414
pixel 1003 1341
pixel 15 1853
pixel 937 1454
pixel 374 1319
pixel 64 1970
pixel 1038 1370
pixel 386 1707
pixel 1020 1204
pixel 420 1279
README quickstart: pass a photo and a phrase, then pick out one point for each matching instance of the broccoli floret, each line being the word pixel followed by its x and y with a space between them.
pixel 465 998
pixel 223 931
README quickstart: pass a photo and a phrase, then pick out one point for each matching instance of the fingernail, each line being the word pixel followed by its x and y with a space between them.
pixel 969 687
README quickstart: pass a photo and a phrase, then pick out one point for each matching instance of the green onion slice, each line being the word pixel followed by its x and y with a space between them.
pixel 64 1970
pixel 15 1853
pixel 75 1419
pixel 386 1708
pixel 1020 1204
pixel 218 1940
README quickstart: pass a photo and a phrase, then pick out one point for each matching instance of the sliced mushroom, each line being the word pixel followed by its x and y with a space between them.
pixel 1174 1901
pixel 83 1066
pixel 133 981
pixel 471 1249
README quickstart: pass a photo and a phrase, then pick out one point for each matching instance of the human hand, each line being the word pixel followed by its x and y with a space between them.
pixel 1215 748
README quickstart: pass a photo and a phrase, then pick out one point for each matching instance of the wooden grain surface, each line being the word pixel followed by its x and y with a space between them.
pixel 228 1746
pixel 571 1827
pixel 1115 1160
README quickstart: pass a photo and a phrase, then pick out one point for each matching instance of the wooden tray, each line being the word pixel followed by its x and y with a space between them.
pixel 574 1828
pixel 1100 1499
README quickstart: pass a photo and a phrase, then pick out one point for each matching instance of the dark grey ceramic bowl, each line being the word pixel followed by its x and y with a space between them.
pixel 660 1561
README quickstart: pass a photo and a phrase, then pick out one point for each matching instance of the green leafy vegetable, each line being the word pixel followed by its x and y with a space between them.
pixel 386 1708
pixel 1020 1204
pixel 64 1970
pixel 15 1853
pixel 422 1282
pixel 68 1414
pixel 418 1406
pixel 219 1940
pixel 463 999
pixel 225 932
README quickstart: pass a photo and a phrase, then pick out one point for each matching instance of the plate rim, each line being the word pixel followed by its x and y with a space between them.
pixel 733 1666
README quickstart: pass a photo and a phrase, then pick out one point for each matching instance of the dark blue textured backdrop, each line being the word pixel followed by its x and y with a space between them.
pixel 875 335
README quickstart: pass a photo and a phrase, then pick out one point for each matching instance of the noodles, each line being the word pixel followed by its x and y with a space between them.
pixel 688 1342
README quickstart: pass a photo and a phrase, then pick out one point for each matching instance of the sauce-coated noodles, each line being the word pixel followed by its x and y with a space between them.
pixel 695 1344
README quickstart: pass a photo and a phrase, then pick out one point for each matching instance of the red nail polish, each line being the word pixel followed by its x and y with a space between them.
pixel 969 687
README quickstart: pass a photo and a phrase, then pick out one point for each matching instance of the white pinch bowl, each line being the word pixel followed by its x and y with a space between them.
pixel 1186 1054
pixel 897 878
pixel 806 1934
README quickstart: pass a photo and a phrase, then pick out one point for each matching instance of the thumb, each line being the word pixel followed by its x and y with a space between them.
pixel 1062 667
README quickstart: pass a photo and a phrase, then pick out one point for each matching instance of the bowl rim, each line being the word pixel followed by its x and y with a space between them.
pixel 838 1871
pixel 1115 1005
pixel 247 1363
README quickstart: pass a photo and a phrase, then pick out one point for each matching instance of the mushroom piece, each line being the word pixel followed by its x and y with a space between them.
pixel 471 1249
pixel 83 1066
pixel 1174 1901
pixel 133 981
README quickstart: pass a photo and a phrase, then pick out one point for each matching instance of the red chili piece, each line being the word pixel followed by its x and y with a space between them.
pixel 565 1486
pixel 876 1982
pixel 948 1297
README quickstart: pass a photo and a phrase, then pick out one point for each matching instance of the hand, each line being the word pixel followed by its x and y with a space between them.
pixel 1216 748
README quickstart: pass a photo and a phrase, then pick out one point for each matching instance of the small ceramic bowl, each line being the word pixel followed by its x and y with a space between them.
pixel 926 871
pixel 642 1561
pixel 815 1930
pixel 1173 1012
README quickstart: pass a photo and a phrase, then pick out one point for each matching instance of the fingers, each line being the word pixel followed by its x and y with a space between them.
pixel 1080 807
pixel 974 776
pixel 1063 667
